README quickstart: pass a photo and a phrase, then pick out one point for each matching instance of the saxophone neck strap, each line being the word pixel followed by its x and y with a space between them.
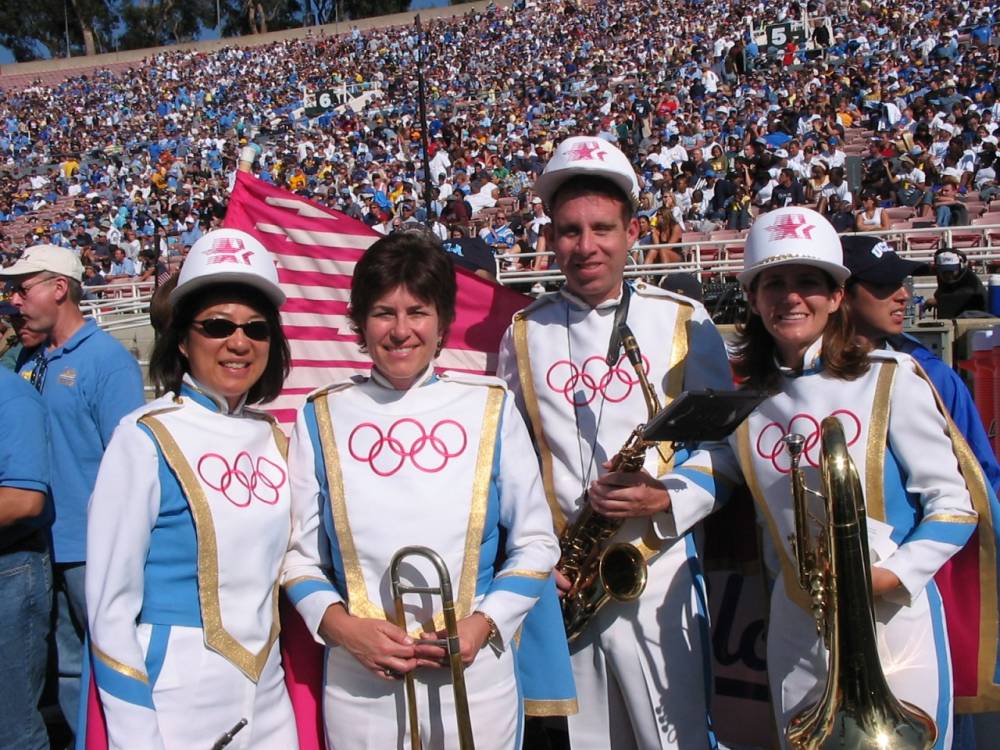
pixel 621 315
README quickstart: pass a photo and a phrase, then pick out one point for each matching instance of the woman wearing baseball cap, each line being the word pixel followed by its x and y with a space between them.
pixel 190 519
pixel 798 346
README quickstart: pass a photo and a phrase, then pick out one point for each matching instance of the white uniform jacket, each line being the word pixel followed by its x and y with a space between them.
pixel 653 652
pixel 445 465
pixel 919 515
pixel 581 411
pixel 187 526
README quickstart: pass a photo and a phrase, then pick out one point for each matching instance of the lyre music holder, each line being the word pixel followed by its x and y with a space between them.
pixel 702 415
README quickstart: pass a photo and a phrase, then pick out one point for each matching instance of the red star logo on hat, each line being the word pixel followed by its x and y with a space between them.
pixel 791 227
pixel 229 250
pixel 586 152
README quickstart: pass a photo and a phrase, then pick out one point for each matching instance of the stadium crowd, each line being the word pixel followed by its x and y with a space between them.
pixel 131 167
pixel 882 111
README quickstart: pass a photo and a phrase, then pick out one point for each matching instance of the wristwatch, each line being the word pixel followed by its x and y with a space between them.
pixel 493 637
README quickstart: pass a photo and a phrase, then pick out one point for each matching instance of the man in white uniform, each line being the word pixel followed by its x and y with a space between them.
pixel 641 668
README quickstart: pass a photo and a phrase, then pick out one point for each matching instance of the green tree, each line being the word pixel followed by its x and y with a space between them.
pixel 260 16
pixel 153 23
pixel 368 8
pixel 39 28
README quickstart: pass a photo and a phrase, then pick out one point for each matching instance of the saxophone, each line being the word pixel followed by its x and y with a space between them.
pixel 857 709
pixel 599 571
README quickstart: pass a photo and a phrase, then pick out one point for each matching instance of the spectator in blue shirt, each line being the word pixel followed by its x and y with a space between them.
pixel 122 268
pixel 88 382
pixel 499 235
pixel 25 568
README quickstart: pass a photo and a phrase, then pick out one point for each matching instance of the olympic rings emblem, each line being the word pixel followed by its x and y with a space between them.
pixel 771 447
pixel 245 480
pixel 407 438
pixel 580 385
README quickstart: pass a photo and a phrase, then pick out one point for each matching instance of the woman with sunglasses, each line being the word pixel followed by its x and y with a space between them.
pixel 190 518
pixel 405 457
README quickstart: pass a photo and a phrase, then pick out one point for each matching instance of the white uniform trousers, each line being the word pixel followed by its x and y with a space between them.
pixel 364 712
pixel 199 696
pixel 913 648
pixel 642 668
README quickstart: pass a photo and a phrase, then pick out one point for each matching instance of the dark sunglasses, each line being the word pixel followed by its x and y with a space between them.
pixel 220 328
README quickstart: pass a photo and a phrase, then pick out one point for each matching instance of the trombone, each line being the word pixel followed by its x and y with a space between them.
pixel 450 644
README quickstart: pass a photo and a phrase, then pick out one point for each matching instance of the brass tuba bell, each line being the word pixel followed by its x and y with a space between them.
pixel 857 710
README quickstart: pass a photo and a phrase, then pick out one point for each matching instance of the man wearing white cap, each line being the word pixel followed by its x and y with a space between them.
pixel 640 667
pixel 538 220
pixel 88 382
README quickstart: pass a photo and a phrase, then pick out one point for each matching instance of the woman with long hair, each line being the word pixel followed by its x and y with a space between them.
pixel 666 232
pixel 870 217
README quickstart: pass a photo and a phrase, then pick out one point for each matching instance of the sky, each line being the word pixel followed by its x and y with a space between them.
pixel 7 58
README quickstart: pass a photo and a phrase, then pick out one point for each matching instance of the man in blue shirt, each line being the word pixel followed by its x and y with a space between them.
pixel 192 232
pixel 499 235
pixel 122 268
pixel 25 568
pixel 88 382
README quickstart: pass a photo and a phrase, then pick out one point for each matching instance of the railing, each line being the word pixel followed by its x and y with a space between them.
pixel 724 256
pixel 125 306
pixel 120 306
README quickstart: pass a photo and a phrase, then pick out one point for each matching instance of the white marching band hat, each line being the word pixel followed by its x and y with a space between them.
pixel 587 155
pixel 792 235
pixel 228 256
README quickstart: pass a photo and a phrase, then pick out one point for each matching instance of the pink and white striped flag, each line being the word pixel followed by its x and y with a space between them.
pixel 315 249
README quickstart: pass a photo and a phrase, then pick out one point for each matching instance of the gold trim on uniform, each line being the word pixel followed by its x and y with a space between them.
pixel 650 544
pixel 280 440
pixel 675 375
pixel 480 499
pixel 535 418
pixel 540 575
pixel 357 594
pixel 118 666
pixel 878 432
pixel 951 518
pixel 563 707
pixel 217 637
pixel 780 258
pixel 790 571
pixel 358 600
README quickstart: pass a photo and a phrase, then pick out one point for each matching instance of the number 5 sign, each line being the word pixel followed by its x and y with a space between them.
pixel 781 34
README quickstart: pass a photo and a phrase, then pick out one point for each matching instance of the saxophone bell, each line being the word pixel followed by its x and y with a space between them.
pixel 623 571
